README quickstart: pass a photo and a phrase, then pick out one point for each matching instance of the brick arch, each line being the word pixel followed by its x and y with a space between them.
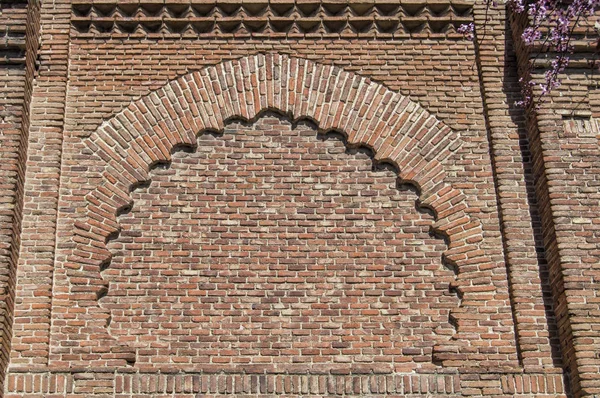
pixel 396 129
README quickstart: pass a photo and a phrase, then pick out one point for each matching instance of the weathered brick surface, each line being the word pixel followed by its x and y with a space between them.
pixel 184 384
pixel 12 86
pixel 418 149
pixel 193 224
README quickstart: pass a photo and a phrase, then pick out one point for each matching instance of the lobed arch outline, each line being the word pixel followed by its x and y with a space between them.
pixel 397 130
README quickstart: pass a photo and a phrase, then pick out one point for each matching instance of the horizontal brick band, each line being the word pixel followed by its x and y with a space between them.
pixel 228 384
pixel 124 384
pixel 285 18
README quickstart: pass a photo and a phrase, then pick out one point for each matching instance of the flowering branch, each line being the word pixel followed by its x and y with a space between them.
pixel 553 21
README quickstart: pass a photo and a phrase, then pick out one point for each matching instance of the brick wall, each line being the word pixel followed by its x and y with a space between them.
pixel 11 83
pixel 525 258
pixel 290 198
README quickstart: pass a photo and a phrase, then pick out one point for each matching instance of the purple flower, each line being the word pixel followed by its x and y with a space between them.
pixel 551 24
pixel 468 30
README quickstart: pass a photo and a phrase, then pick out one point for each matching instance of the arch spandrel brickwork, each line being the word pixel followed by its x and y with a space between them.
pixel 397 130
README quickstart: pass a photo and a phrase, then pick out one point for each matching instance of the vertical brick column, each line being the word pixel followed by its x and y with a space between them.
pixel 18 53
pixel 527 271
pixel 565 159
pixel 569 155
pixel 34 272
pixel 12 91
pixel 12 81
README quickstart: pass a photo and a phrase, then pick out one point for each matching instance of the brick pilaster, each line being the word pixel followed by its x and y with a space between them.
pixel 34 272
pixel 526 266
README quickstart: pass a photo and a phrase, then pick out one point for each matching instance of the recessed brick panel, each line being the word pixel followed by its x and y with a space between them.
pixel 275 245
pixel 400 132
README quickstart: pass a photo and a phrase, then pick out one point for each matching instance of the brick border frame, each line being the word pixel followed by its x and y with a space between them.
pixel 396 129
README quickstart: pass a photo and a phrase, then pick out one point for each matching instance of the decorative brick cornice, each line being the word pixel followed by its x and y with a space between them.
pixel 12 32
pixel 260 18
